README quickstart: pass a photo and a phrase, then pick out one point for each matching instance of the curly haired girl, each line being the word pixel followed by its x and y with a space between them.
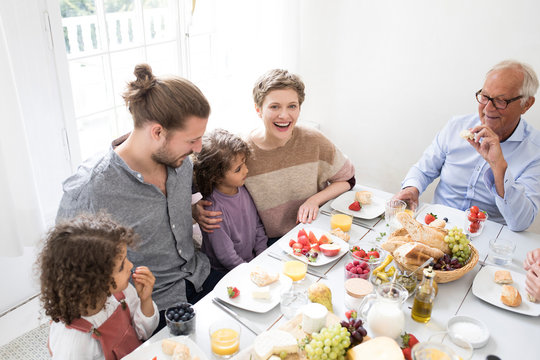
pixel 220 171
pixel 84 272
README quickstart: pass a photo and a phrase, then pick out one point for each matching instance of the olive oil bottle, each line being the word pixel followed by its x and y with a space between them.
pixel 423 300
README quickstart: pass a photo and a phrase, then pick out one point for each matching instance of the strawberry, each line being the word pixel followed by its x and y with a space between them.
pixel 474 209
pixel 481 215
pixel 297 249
pixel 291 243
pixel 233 291
pixel 351 314
pixel 409 340
pixel 430 217
pixel 373 253
pixel 355 206
pixel 407 353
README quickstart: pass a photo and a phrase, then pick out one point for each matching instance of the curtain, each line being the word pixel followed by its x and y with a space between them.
pixel 21 221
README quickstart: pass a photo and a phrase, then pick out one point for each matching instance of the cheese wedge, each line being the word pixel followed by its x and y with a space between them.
pixel 381 348
pixel 273 342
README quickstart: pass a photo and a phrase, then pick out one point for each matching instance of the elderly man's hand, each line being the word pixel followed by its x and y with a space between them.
pixel 532 282
pixel 410 195
pixel 533 257
pixel 207 220
pixel 487 143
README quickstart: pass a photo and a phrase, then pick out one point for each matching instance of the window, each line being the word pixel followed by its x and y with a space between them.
pixel 104 40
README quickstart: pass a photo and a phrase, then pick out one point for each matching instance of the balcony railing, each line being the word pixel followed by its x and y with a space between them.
pixel 83 36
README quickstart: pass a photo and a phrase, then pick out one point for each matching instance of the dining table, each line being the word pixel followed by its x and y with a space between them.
pixel 512 335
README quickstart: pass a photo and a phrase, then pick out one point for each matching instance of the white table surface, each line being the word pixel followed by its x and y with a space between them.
pixel 511 333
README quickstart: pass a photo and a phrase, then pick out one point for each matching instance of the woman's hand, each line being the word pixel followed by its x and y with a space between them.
pixel 532 282
pixel 308 211
pixel 144 280
pixel 207 220
pixel 533 257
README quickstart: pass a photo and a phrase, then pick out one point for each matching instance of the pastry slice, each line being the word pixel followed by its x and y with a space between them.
pixel 503 277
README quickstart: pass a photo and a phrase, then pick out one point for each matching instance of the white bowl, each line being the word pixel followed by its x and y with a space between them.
pixel 467 329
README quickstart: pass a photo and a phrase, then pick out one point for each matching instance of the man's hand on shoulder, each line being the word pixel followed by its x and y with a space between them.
pixel 207 220
pixel 410 195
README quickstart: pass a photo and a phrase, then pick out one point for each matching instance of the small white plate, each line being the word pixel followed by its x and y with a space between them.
pixel 148 351
pixel 239 277
pixel 321 259
pixel 486 289
pixel 342 202
pixel 455 217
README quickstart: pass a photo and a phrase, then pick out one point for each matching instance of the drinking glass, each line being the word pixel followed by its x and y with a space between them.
pixel 393 206
pixel 501 250
pixel 294 297
pixel 224 338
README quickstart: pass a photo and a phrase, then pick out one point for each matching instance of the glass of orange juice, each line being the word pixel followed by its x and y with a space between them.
pixel 342 221
pixel 224 338
pixel 295 269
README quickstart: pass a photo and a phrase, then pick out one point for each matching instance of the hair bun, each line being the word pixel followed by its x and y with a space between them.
pixel 145 81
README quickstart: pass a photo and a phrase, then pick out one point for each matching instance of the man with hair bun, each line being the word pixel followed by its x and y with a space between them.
pixel 497 166
pixel 144 181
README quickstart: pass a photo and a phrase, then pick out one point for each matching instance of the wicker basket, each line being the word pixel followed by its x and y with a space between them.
pixel 446 276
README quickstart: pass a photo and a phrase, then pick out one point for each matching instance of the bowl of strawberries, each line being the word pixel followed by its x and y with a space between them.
pixel 373 255
pixel 475 220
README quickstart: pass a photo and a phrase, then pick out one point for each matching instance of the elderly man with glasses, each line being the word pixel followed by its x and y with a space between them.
pixel 497 170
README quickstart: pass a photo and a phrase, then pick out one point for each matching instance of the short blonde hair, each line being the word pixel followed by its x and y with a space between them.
pixel 275 80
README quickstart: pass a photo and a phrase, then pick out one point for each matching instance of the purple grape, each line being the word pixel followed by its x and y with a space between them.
pixel 362 331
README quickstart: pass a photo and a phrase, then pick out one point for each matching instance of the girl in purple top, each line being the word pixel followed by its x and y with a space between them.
pixel 220 171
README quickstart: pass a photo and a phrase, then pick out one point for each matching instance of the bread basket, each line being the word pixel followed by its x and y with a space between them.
pixel 446 276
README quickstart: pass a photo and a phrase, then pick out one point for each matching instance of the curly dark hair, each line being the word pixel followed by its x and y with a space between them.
pixel 77 262
pixel 219 149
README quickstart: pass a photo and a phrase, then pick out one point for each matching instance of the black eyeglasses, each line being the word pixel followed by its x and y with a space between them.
pixel 500 104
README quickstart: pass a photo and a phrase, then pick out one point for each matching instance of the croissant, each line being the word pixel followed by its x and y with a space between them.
pixel 430 236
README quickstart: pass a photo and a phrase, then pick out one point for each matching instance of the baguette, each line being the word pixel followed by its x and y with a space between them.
pixel 503 277
pixel 416 253
pixel 427 235
pixel 393 243
pixel 510 296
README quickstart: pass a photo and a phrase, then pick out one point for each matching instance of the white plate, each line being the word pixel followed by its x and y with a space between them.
pixel 486 289
pixel 240 278
pixel 455 217
pixel 147 351
pixel 321 259
pixel 342 202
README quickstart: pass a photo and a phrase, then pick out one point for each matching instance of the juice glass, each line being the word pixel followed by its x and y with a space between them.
pixel 224 338
pixel 342 221
pixel 295 269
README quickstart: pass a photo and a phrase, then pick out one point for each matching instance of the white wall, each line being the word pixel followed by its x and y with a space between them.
pixel 383 77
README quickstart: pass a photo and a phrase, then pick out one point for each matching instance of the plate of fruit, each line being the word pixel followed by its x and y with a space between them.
pixel 313 246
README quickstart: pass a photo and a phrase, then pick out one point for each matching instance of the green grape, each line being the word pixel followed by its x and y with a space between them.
pixel 324 356
pixel 333 355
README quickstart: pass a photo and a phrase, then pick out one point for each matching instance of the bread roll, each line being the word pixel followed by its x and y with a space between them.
pixel 400 232
pixel 531 298
pixel 427 235
pixel 503 277
pixel 438 223
pixel 415 253
pixel 261 277
pixel 363 197
pixel 392 244
pixel 510 296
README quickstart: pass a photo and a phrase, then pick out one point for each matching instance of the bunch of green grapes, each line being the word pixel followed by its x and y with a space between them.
pixel 330 343
pixel 459 244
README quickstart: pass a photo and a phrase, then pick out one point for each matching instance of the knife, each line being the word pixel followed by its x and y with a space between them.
pixel 309 271
pixel 221 304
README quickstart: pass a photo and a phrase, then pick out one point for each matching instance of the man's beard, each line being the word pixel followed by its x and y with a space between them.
pixel 164 158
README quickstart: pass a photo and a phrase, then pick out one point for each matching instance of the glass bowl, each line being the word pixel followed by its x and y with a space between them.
pixel 357 269
pixel 474 226
pixel 373 262
pixel 181 319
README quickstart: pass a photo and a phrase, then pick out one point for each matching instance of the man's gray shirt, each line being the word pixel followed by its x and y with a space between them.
pixel 163 223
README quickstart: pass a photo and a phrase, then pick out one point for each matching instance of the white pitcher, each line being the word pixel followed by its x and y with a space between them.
pixel 383 312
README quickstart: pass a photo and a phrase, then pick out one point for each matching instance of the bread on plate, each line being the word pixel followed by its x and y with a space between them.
pixel 261 277
pixel 363 197
pixel 503 277
pixel 510 296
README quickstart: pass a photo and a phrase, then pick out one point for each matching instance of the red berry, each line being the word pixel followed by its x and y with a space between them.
pixel 355 206
pixel 474 209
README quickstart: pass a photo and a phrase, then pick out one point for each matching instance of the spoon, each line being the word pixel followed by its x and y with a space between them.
pixel 420 267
